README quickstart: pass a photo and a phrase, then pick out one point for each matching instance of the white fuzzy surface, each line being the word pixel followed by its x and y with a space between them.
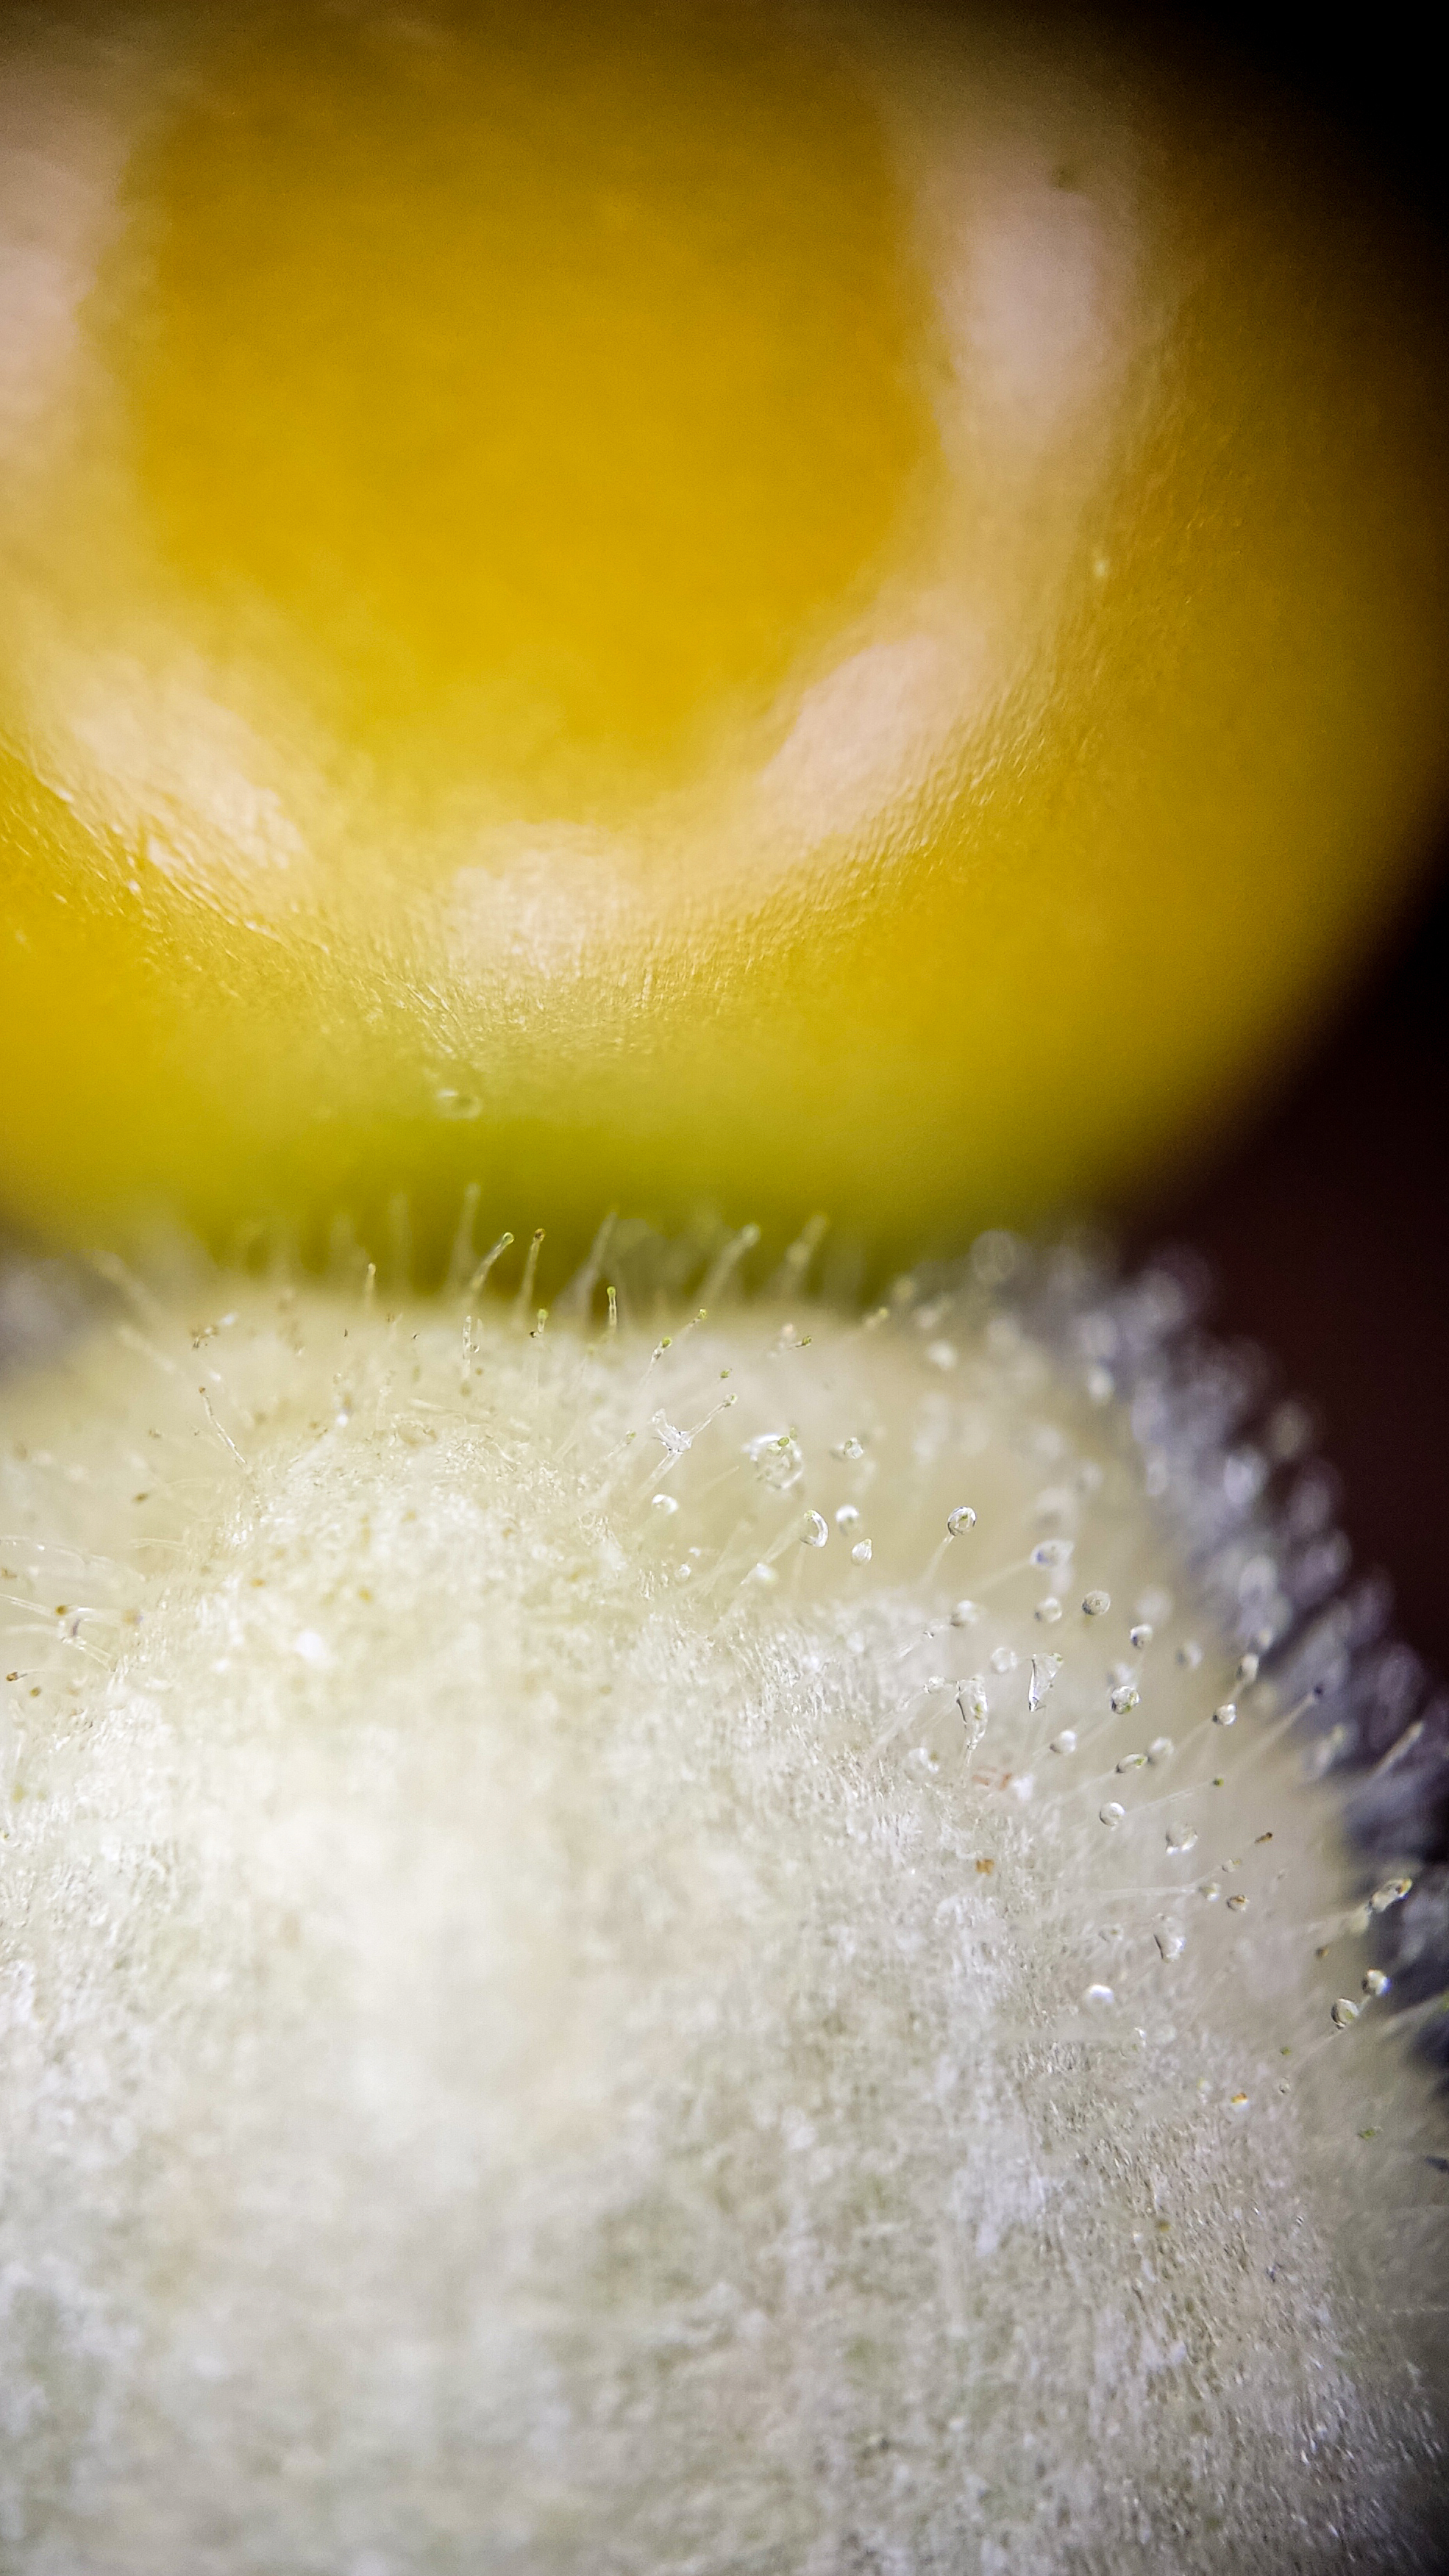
pixel 527 2046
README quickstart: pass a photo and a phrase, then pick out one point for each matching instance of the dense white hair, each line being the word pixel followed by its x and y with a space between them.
pixel 707 1946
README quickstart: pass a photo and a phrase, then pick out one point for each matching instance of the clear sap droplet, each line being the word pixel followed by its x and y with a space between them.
pixel 1227 1714
pixel 860 1554
pixel 1125 1696
pixel 1237 1905
pixel 847 1516
pixel 1181 1838
pixel 1375 1983
pixel 965 1614
pixel 457 1104
pixel 1160 1749
pixel 1392 1892
pixel 1095 1604
pixel 1247 1670
pixel 849 1448
pixel 1048 1612
pixel 1044 1670
pixel 1002 1659
pixel 1189 1655
pixel 960 1520
pixel 816 1530
pixel 1345 2012
pixel 1098 1995
pixel 1140 1635
pixel 1133 1762
pixel 1066 1742
pixel 971 1699
pixel 1052 1552
pixel 1169 1940
pixel 1112 1813
pixel 777 1458
pixel 666 1504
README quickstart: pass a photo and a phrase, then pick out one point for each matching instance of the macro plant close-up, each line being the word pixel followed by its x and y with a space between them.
pixel 712 1860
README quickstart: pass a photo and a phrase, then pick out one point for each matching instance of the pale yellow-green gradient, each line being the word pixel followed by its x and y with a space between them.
pixel 683 609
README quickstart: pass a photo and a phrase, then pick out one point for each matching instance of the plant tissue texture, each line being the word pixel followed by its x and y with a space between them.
pixel 709 1945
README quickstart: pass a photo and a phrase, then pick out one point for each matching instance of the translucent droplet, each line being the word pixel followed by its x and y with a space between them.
pixel 1052 1552
pixel 1044 1670
pixel 777 1458
pixel 847 1516
pixel 1100 1995
pixel 457 1104
pixel 1247 1670
pixel 1237 1905
pixel 860 1554
pixel 816 1530
pixel 1181 1838
pixel 1169 1940
pixel 1189 1655
pixel 1112 1813
pixel 1375 1983
pixel 1392 1892
pixel 762 1574
pixel 1066 1742
pixel 958 1522
pixel 666 1504
pixel 1237 2101
pixel 1096 1604
pixel 1345 2012
pixel 1227 1714
pixel 1140 1635
pixel 1002 1659
pixel 1048 1612
pixel 966 1614
pixel 1125 1696
pixel 848 1448
pixel 1133 1762
pixel 1160 1749
pixel 971 1699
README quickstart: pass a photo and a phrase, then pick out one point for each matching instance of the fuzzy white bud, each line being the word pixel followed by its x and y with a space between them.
pixel 545 2023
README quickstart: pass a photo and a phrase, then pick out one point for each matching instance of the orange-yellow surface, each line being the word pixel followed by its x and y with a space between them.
pixel 681 607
